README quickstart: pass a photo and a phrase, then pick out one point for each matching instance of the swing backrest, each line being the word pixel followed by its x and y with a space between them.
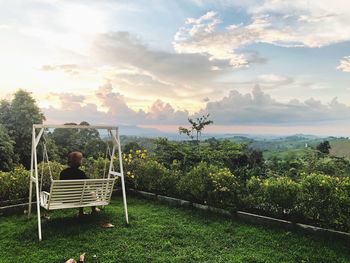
pixel 79 193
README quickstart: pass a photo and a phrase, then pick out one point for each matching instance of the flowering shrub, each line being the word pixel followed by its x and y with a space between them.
pixel 316 198
pixel 131 160
pixel 209 184
pixel 14 184
pixel 326 200
pixel 153 176
pixel 275 195
pixel 96 168
pixel 313 198
pixel 224 188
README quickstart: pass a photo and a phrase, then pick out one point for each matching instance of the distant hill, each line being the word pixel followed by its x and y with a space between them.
pixel 297 145
pixel 270 145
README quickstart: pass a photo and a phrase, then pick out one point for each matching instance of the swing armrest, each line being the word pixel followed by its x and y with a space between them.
pixel 44 197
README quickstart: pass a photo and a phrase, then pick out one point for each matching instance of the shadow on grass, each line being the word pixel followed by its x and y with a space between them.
pixel 66 224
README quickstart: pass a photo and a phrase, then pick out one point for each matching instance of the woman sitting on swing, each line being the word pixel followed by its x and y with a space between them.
pixel 73 172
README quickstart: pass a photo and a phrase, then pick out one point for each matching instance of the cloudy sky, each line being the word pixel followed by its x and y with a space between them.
pixel 256 66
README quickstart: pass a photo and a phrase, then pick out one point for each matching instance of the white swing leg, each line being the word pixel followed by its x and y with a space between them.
pixel 30 197
pixel 36 180
pixel 39 216
pixel 124 200
pixel 117 141
pixel 30 178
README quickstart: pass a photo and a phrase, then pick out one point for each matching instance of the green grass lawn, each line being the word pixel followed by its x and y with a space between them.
pixel 158 233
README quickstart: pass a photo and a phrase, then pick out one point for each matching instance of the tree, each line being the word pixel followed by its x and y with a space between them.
pixel 64 139
pixel 84 136
pixel 18 117
pixel 87 141
pixel 95 148
pixel 6 150
pixel 5 111
pixel 324 147
pixel 197 126
pixel 131 146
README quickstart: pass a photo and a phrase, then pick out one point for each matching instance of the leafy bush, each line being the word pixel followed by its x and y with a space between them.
pixel 155 177
pixel 294 165
pixel 326 200
pixel 14 184
pixel 239 158
pixel 131 160
pixel 43 169
pixel 186 154
pixel 224 188
pixel 336 166
pixel 276 196
pixel 314 198
pixel 96 168
pixel 209 184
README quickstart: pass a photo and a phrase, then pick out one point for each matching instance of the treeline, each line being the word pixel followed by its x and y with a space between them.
pixel 16 121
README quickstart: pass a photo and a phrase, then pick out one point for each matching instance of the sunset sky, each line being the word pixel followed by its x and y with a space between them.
pixel 257 66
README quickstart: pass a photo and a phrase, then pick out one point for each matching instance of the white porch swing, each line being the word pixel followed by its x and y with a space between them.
pixel 74 193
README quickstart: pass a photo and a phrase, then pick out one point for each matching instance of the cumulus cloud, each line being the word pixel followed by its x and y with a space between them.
pixel 255 108
pixel 76 108
pixel 161 111
pixel 222 45
pixel 281 23
pixel 344 64
pixel 115 103
pixel 260 108
pixel 67 100
pixel 76 114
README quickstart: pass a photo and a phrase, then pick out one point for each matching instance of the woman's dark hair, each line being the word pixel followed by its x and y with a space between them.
pixel 74 159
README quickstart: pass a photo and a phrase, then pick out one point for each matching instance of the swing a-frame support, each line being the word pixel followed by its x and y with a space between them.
pixel 74 193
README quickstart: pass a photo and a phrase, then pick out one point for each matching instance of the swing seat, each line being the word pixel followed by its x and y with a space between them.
pixel 77 193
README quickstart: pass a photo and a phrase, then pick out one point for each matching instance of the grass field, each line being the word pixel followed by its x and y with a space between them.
pixel 288 154
pixel 340 148
pixel 158 233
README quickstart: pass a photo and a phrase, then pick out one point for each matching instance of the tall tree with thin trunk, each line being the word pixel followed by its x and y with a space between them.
pixel 6 150
pixel 18 117
pixel 197 126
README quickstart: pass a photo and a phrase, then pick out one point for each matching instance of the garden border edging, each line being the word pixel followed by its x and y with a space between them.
pixel 15 209
pixel 248 217
pixel 242 216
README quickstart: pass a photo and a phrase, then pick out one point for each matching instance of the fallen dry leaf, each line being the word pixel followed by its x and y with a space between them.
pixel 107 225
pixel 46 217
pixel 82 257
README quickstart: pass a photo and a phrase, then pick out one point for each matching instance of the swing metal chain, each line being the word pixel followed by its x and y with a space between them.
pixel 45 155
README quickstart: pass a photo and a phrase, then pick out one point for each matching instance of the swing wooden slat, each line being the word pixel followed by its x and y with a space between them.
pixel 78 193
